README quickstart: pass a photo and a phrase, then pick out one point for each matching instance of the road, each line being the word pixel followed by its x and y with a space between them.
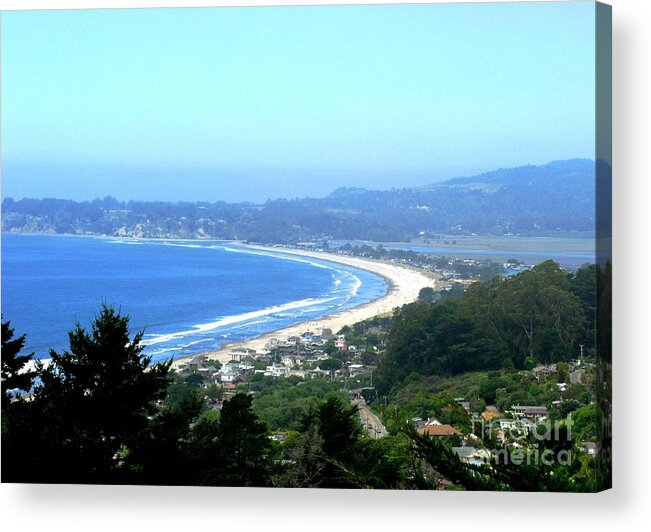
pixel 369 420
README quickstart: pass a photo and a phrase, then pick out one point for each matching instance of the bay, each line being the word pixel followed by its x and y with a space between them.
pixel 188 296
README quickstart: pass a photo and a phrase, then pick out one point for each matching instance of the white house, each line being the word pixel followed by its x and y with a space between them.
pixel 229 372
pixel 276 371
pixel 355 369
pixel 340 342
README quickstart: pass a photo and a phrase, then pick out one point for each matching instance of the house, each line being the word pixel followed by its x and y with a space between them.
pixel 509 428
pixel 462 402
pixel 278 436
pixel 272 343
pixel 508 424
pixel 230 372
pixel 265 359
pixel 246 366
pixel 418 422
pixel 230 390
pixel 472 455
pixel 431 421
pixel 306 340
pixel 490 413
pixel 239 353
pixel 438 430
pixel 276 371
pixel 288 361
pixel 355 369
pixel 522 425
pixel 229 377
pixel 340 342
pixel 589 447
pixel 530 412
pixel 541 373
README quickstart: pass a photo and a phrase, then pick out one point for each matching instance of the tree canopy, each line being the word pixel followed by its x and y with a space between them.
pixel 507 322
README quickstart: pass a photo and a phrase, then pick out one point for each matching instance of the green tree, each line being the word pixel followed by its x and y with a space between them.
pixel 505 475
pixel 540 316
pixel 530 363
pixel 351 460
pixel 15 372
pixel 308 460
pixel 329 348
pixel 330 364
pixel 94 399
pixel 426 294
pixel 202 451
pixel 159 454
pixel 562 372
pixel 325 455
pixel 16 412
pixel 339 426
pixel 194 380
pixel 583 284
pixel 244 450
pixel 585 423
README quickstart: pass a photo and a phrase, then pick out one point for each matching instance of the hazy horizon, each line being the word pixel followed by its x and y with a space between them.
pixel 250 104
pixel 199 200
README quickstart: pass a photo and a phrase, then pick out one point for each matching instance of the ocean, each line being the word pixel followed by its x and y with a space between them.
pixel 188 296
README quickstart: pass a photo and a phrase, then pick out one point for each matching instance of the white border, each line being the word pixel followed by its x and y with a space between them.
pixel 625 507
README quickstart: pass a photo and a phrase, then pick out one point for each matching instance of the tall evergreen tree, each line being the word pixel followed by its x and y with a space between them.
pixel 244 449
pixel 94 399
pixel 16 412
pixel 15 373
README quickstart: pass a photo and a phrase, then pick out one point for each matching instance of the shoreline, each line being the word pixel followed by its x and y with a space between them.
pixel 404 284
pixel 568 251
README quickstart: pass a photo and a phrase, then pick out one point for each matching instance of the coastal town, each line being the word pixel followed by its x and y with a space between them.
pixel 438 366
pixel 345 350
pixel 322 354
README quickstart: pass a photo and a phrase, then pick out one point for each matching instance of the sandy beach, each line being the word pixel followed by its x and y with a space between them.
pixel 404 285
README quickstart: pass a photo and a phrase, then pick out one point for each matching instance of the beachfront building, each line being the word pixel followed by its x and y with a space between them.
pixel 340 342
pixel 276 370
pixel 230 372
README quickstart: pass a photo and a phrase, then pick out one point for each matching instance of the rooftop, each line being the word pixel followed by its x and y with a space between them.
pixel 439 430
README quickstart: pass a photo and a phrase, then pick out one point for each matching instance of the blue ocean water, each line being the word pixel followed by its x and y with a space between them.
pixel 189 297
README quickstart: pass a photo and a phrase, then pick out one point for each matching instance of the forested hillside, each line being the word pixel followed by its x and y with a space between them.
pixel 537 317
pixel 554 199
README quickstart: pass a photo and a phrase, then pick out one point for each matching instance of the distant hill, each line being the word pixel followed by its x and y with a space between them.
pixel 554 199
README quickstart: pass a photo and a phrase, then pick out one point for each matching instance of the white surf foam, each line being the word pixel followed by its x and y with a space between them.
pixel 278 255
pixel 127 242
pixel 230 320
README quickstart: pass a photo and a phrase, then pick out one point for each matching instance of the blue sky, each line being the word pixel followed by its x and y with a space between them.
pixel 243 104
